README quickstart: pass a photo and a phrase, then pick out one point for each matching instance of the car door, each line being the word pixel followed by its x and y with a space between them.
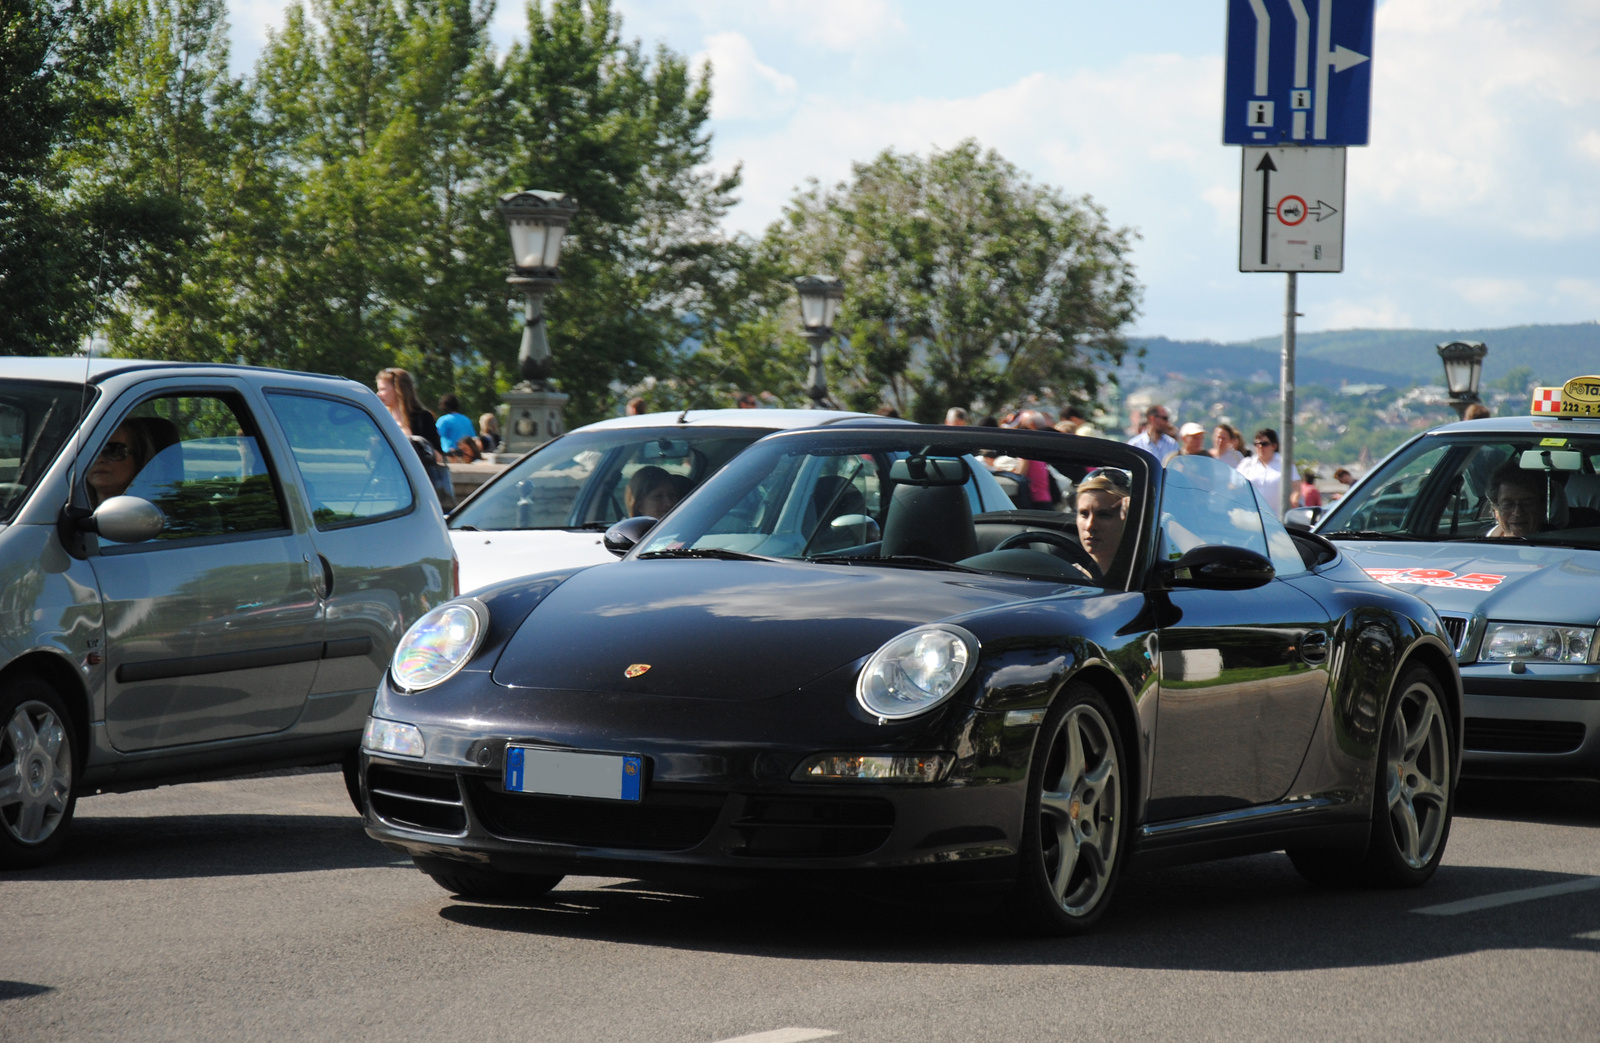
pixel 1242 672
pixel 213 628
pixel 378 544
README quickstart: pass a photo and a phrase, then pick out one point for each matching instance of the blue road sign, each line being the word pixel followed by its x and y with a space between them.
pixel 1299 72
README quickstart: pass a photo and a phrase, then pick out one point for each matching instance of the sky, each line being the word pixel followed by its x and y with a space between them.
pixel 1476 205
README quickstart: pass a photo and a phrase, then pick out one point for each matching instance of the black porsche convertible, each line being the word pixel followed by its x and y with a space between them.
pixel 848 653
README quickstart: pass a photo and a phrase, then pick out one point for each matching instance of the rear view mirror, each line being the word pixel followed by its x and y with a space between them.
pixel 929 471
pixel 1302 518
pixel 127 519
pixel 665 449
pixel 1217 567
pixel 1552 460
pixel 621 537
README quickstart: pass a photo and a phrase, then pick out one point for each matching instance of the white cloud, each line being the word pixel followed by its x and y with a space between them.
pixel 847 26
pixel 1478 106
pixel 744 87
pixel 1366 313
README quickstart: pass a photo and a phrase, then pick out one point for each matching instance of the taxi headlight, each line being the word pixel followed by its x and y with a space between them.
pixel 1503 642
pixel 916 671
pixel 437 645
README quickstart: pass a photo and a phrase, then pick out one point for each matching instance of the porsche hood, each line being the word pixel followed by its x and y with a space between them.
pixel 1510 581
pixel 729 629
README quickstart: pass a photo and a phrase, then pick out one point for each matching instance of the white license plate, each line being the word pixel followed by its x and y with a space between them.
pixel 569 773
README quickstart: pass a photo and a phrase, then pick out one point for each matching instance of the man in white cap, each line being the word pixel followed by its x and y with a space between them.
pixel 1191 437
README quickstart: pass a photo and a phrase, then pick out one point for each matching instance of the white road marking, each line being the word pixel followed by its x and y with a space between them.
pixel 788 1035
pixel 1591 936
pixel 1526 894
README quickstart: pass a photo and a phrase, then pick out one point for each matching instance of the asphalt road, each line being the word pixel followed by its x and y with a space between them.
pixel 257 909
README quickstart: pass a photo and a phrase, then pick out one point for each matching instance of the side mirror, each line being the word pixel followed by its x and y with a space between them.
pixel 1302 518
pixel 1216 567
pixel 127 519
pixel 866 525
pixel 620 538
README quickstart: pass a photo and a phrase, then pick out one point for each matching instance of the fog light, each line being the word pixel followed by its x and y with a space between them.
pixel 384 736
pixel 873 767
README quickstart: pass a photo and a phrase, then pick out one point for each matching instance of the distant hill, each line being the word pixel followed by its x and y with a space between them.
pixel 1394 357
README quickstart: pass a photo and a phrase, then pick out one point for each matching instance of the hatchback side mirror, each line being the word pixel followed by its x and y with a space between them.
pixel 621 537
pixel 1302 518
pixel 1217 567
pixel 127 519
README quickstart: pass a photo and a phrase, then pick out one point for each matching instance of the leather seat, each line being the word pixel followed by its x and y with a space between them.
pixel 929 522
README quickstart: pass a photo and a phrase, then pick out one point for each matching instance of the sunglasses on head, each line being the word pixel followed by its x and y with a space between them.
pixel 116 452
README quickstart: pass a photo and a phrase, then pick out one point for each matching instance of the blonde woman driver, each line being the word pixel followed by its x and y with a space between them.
pixel 1102 512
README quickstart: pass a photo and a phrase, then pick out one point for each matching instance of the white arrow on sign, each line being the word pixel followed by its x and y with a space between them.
pixel 1263 44
pixel 1343 58
pixel 1339 59
pixel 1322 211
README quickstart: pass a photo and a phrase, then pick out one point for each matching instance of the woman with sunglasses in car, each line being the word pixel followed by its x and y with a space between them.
pixel 120 460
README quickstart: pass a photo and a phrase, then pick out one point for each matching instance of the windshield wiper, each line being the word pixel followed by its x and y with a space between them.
pixel 706 552
pixel 910 561
pixel 1367 534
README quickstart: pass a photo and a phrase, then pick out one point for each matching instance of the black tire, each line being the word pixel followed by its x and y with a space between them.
pixel 38 771
pixel 350 767
pixel 1085 805
pixel 1413 796
pixel 487 885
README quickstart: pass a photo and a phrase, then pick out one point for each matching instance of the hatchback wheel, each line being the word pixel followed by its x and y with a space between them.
pixel 1077 821
pixel 36 772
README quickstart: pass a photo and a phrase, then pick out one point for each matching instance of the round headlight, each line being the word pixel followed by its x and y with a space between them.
pixel 917 671
pixel 436 646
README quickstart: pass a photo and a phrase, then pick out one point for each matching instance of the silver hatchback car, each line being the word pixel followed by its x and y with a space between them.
pixel 205 572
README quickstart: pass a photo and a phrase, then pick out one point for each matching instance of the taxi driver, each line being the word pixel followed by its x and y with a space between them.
pixel 1518 500
pixel 1102 510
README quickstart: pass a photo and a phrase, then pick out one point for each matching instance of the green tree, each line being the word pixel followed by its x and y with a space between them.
pixel 966 283
pixel 62 249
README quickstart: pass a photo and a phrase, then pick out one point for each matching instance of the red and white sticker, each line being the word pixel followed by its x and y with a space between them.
pixel 1438 578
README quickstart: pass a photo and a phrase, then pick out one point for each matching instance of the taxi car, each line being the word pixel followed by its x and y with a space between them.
pixel 1496 522
pixel 206 569
pixel 847 656
pixel 549 509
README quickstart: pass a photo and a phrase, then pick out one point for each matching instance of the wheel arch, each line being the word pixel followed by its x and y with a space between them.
pixel 59 674
pixel 1431 652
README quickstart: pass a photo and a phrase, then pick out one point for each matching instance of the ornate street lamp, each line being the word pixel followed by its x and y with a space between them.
pixel 537 222
pixel 1463 366
pixel 819 307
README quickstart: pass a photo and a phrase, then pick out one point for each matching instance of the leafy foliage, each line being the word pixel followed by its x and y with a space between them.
pixel 965 281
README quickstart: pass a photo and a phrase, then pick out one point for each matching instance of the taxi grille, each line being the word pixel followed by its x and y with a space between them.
pixel 1504 735
pixel 665 820
pixel 1456 627
pixel 789 827
pixel 419 800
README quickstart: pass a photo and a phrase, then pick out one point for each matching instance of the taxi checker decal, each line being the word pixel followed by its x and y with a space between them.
pixel 1438 578
pixel 1579 396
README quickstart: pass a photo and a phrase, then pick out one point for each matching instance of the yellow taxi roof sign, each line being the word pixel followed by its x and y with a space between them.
pixel 1579 396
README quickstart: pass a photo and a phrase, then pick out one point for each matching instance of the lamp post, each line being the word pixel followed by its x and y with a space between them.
pixel 1463 366
pixel 537 222
pixel 819 306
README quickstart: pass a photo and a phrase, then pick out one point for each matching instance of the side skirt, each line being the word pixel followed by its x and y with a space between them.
pixel 1330 822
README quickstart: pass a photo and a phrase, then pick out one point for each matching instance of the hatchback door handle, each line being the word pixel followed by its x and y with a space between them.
pixel 1314 647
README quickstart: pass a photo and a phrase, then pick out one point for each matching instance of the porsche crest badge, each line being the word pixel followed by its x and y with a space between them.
pixel 635 670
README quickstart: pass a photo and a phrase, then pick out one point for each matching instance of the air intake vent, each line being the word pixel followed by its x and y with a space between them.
pixel 426 801
pixel 666 820
pixel 801 828
pixel 1501 735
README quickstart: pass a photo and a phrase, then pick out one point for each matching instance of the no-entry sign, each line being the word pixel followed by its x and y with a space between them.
pixel 1291 213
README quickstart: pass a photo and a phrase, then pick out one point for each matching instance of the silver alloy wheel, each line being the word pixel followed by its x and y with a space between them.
pixel 1080 809
pixel 35 773
pixel 1417 758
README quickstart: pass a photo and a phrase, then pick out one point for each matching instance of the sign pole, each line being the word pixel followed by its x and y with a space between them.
pixel 1286 418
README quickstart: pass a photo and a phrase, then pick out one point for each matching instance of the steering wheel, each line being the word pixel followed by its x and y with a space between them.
pixel 1074 553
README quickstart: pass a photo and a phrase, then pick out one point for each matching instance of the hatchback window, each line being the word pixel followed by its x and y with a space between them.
pixel 350 471
pixel 36 420
pixel 197 458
